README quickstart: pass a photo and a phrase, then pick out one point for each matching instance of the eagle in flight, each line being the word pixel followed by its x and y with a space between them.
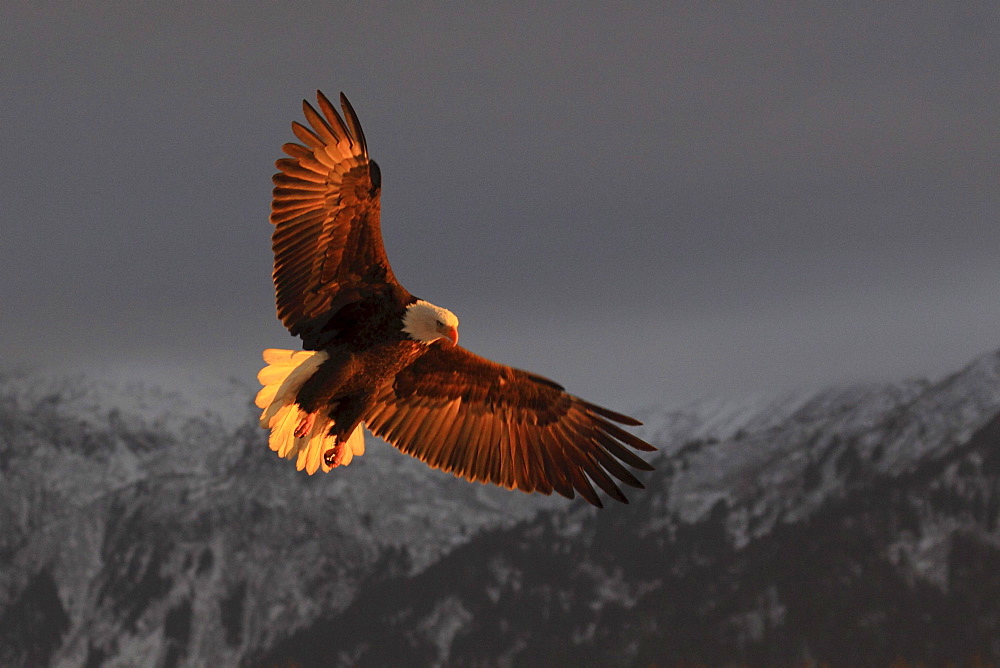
pixel 375 356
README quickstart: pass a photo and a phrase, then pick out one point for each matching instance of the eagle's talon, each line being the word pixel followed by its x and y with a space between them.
pixel 334 456
pixel 305 425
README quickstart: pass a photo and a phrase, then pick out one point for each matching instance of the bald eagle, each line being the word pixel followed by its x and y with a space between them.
pixel 375 356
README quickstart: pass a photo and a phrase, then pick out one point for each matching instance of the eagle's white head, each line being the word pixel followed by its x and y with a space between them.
pixel 427 323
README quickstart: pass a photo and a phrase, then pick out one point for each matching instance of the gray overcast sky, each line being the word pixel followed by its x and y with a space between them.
pixel 648 203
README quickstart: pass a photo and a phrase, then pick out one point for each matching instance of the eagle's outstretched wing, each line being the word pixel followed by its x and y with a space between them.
pixel 327 239
pixel 488 422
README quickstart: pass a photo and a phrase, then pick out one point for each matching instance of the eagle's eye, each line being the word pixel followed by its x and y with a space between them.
pixel 439 323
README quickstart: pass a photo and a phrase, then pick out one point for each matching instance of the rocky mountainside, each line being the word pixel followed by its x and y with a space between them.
pixel 139 529
pixel 853 526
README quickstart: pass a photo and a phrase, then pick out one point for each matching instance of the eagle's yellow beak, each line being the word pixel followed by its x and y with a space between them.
pixel 450 333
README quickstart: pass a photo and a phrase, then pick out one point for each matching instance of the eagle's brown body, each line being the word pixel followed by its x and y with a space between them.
pixel 377 356
pixel 346 384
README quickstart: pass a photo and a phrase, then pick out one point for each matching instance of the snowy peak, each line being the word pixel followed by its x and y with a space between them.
pixel 146 526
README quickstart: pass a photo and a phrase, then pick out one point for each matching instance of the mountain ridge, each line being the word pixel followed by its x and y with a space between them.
pixel 177 538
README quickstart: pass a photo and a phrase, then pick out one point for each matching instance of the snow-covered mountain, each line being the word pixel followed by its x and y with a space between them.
pixel 159 532
pixel 855 526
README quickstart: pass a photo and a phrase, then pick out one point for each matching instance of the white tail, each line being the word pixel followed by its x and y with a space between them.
pixel 282 378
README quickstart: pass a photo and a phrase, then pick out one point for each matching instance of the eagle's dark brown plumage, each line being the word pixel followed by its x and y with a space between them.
pixel 377 356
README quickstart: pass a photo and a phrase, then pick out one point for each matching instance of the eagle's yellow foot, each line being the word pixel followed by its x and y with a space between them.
pixel 305 425
pixel 334 457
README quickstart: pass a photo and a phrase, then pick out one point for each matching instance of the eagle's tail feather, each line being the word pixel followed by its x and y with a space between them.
pixel 284 375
